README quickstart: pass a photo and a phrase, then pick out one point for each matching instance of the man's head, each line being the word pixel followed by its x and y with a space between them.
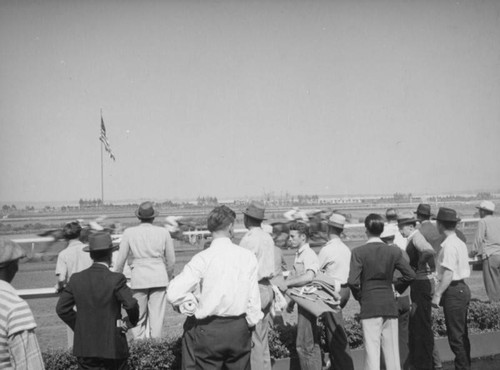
pixel 254 214
pixel 423 212
pixel 388 235
pixel 221 220
pixel 407 223
pixel 10 254
pixel 299 234
pixel 336 224
pixel 146 212
pixel 72 230
pixel 446 220
pixel 100 247
pixel 391 215
pixel 486 208
pixel 374 224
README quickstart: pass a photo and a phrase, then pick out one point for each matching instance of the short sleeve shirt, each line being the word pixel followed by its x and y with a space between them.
pixel 305 259
pixel 455 257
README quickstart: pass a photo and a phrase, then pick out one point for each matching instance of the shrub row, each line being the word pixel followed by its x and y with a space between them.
pixel 166 353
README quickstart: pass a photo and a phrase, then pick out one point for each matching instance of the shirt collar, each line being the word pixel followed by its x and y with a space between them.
pixel 410 237
pixel 303 248
pixel 374 239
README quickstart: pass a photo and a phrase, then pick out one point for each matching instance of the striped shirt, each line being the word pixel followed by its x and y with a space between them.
pixel 16 320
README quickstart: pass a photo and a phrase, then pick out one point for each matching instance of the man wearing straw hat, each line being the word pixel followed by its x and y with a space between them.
pixel 99 295
pixel 153 258
pixel 260 243
pixel 334 260
pixel 452 293
pixel 487 246
pixel 18 345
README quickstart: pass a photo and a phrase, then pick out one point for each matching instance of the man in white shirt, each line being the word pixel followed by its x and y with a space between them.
pixel 334 260
pixel 153 259
pixel 229 302
pixel 305 268
pixel 261 244
pixel 392 226
pixel 452 293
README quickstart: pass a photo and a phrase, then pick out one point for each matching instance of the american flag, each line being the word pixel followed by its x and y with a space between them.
pixel 104 140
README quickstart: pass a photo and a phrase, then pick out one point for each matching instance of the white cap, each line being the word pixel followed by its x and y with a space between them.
pixel 487 206
pixel 388 232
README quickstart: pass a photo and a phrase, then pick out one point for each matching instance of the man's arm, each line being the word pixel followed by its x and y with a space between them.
pixel 169 256
pixel 124 295
pixel 477 246
pixel 187 281
pixel 407 273
pixel 427 253
pixel 253 311
pixel 122 253
pixel 354 280
pixel 24 351
pixel 61 272
pixel 64 307
pixel 442 286
pixel 301 280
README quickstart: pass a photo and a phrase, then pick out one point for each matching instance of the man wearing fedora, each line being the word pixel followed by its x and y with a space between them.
pixel 99 295
pixel 421 255
pixel 152 252
pixel 334 259
pixel 19 347
pixel 487 247
pixel 260 243
pixel 452 293
pixel 229 302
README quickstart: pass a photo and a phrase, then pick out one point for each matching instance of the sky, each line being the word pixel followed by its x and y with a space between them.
pixel 242 98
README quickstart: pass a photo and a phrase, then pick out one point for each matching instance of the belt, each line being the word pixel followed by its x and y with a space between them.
pixel 456 282
pixel 209 319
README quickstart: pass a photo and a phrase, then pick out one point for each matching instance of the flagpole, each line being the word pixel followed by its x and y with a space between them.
pixel 102 170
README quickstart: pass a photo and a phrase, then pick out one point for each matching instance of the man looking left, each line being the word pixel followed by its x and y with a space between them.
pixel 152 250
pixel 260 243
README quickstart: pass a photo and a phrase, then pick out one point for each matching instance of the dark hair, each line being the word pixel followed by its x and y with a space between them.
pixel 486 211
pixel 423 217
pixel 252 222
pixel 391 214
pixel 448 225
pixel 99 256
pixel 334 230
pixel 374 224
pixel 301 227
pixel 219 218
pixel 72 230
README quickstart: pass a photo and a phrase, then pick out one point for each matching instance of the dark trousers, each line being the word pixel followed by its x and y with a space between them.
pixel 338 345
pixel 308 339
pixel 421 341
pixel 455 304
pixel 187 341
pixel 95 363
pixel 222 343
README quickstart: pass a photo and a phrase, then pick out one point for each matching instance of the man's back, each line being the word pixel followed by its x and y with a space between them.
pixel 98 295
pixel 72 259
pixel 371 277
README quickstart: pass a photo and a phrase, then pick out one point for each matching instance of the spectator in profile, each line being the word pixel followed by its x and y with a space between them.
pixel 228 306
pixel 99 295
pixel 487 246
pixel 391 226
pixel 19 347
pixel 371 282
pixel 452 293
pixel 153 259
pixel 71 259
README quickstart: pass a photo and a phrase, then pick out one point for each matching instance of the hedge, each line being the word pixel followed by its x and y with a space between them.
pixel 165 353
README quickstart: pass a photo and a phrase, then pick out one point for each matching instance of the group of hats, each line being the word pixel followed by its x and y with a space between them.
pixel 444 214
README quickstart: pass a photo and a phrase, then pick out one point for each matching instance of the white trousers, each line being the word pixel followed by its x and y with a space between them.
pixel 152 304
pixel 380 332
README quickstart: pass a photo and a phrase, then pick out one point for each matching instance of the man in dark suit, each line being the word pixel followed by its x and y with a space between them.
pixel 370 279
pixel 99 294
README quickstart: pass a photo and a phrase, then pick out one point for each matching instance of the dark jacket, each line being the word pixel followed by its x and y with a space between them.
pixel 371 277
pixel 98 295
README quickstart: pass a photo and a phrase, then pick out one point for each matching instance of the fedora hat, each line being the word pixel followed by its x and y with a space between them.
pixel 406 218
pixel 447 214
pixel 336 220
pixel 9 251
pixel 146 211
pixel 487 206
pixel 255 210
pixel 100 241
pixel 423 209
